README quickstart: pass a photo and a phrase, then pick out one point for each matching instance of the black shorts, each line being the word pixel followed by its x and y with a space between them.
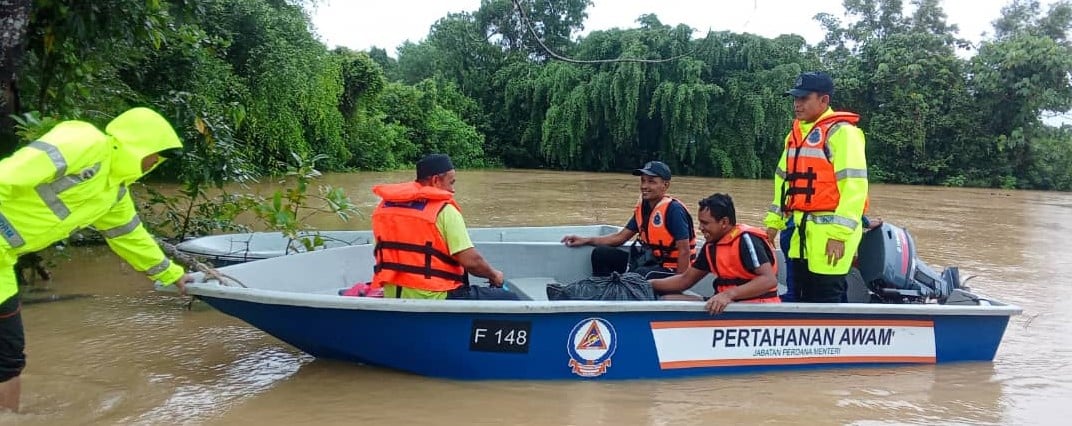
pixel 12 340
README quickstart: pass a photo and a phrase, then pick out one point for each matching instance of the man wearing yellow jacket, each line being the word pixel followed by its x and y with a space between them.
pixel 821 183
pixel 74 177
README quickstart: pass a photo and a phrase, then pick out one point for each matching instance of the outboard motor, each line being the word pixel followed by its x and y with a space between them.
pixel 889 266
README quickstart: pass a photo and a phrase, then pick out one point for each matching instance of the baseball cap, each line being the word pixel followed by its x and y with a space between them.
pixel 810 82
pixel 654 168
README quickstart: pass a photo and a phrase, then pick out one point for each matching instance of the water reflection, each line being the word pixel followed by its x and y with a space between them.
pixel 334 393
pixel 234 382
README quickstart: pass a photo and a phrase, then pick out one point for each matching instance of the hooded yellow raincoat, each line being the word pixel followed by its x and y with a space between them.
pixel 847 152
pixel 74 177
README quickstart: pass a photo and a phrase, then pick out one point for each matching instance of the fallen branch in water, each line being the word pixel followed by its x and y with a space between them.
pixel 52 298
pixel 196 265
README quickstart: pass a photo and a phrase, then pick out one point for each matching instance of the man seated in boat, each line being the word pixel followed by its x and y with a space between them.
pixel 423 250
pixel 740 257
pixel 666 233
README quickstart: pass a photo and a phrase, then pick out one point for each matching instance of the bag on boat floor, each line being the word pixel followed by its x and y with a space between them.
pixel 361 290
pixel 476 292
pixel 627 286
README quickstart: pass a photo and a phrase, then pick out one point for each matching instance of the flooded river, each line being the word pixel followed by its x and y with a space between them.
pixel 128 355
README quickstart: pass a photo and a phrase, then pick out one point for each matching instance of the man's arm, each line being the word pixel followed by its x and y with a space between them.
pixel 128 238
pixel 678 223
pixel 757 286
pixel 612 240
pixel 847 147
pixel 475 264
pixel 775 219
pixel 452 227
pixel 680 282
pixel 683 255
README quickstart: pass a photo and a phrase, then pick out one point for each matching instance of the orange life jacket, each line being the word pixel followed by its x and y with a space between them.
pixel 810 181
pixel 724 258
pixel 410 251
pixel 656 235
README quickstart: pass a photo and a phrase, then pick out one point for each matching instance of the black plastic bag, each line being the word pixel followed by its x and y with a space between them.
pixel 642 258
pixel 627 286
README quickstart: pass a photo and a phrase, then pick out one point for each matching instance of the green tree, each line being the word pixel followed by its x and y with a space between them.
pixel 1018 75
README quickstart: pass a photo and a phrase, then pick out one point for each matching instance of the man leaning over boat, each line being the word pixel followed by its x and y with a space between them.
pixel 72 177
pixel 423 249
pixel 740 257
pixel 666 234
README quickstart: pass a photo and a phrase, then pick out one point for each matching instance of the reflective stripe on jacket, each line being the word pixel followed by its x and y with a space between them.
pixel 76 176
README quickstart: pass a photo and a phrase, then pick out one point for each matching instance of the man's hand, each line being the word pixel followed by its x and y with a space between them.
pixel 181 283
pixel 718 303
pixel 835 249
pixel 575 241
pixel 772 236
pixel 497 279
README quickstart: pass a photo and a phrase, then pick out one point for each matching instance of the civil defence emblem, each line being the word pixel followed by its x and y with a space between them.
pixel 814 136
pixel 590 346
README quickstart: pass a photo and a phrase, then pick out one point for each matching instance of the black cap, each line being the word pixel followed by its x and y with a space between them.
pixel 432 165
pixel 809 82
pixel 654 168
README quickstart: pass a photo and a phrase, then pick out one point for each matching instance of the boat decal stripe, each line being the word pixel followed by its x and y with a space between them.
pixel 790 322
pixel 731 343
pixel 793 361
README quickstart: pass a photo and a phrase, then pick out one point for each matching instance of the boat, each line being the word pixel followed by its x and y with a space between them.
pixel 297 299
pixel 229 249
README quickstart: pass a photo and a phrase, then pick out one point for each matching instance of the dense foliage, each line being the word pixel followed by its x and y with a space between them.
pixel 250 84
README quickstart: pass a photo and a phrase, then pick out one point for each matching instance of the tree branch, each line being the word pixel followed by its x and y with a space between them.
pixel 528 23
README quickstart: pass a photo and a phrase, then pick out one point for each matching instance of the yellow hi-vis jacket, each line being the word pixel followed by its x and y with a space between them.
pixel 847 154
pixel 74 177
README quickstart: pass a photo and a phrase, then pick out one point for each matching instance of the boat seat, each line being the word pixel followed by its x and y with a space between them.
pixel 530 288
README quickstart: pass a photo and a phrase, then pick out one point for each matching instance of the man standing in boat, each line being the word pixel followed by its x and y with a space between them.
pixel 740 257
pixel 423 249
pixel 666 232
pixel 821 184
pixel 73 177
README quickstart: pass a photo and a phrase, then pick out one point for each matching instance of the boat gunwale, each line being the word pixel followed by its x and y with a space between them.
pixel 246 236
pixel 317 300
